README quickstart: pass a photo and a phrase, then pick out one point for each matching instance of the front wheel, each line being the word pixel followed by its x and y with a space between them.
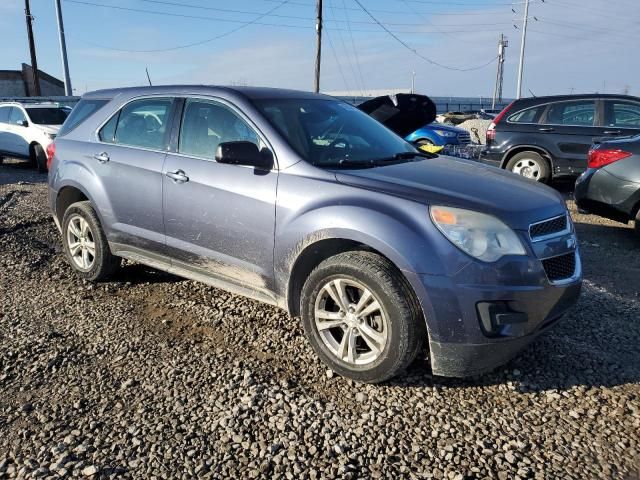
pixel 530 165
pixel 361 317
pixel 85 243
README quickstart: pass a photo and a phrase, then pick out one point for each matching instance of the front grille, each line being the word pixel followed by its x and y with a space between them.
pixel 548 227
pixel 561 267
pixel 464 138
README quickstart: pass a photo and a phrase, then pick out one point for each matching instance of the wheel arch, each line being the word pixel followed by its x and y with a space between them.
pixel 314 254
pixel 528 148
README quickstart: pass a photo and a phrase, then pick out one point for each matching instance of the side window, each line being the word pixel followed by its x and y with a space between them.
pixel 143 123
pixel 529 115
pixel 206 124
pixel 108 131
pixel 580 113
pixel 4 114
pixel 623 114
pixel 83 110
pixel 16 116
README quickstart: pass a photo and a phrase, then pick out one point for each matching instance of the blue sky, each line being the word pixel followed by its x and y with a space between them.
pixel 574 45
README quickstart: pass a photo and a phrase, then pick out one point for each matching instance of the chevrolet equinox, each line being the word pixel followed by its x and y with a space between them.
pixel 302 201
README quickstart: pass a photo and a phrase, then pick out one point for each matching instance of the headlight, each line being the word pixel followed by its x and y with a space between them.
pixel 444 133
pixel 477 234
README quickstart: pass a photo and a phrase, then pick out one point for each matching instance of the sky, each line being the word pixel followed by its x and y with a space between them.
pixel 573 46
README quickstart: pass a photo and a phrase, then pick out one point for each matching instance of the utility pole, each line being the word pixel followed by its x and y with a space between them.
pixel 63 51
pixel 316 83
pixel 497 91
pixel 522 45
pixel 32 49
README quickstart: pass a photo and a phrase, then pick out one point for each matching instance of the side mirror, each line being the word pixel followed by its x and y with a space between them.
pixel 22 123
pixel 244 153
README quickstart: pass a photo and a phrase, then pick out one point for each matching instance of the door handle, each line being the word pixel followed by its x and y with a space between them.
pixel 612 132
pixel 546 129
pixel 178 176
pixel 102 157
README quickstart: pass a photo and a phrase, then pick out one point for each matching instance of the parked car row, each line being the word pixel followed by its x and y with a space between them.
pixel 305 202
pixel 548 137
pixel 26 130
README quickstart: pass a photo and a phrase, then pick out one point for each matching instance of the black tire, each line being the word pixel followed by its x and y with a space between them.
pixel 535 162
pixel 637 224
pixel 104 263
pixel 403 321
pixel 39 158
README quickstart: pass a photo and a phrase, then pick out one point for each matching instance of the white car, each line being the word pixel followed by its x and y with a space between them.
pixel 26 130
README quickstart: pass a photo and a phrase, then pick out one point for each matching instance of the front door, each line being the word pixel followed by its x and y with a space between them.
pixel 219 218
pixel 568 128
pixel 128 159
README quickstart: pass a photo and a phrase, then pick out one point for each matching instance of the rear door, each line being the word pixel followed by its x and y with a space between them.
pixel 621 118
pixel 128 160
pixel 219 218
pixel 569 128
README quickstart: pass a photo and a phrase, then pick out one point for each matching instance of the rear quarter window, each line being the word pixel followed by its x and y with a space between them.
pixel 528 115
pixel 83 110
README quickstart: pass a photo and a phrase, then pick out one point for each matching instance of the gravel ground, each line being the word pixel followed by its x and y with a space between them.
pixel 152 376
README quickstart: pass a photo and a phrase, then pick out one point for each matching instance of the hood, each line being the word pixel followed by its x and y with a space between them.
pixel 402 113
pixel 460 183
pixel 52 129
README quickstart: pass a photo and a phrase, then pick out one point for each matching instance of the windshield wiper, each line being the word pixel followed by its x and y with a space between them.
pixel 397 158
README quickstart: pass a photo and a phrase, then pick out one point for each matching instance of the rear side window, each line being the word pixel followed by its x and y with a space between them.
pixel 4 114
pixel 528 115
pixel 141 123
pixel 83 110
pixel 579 113
pixel 623 115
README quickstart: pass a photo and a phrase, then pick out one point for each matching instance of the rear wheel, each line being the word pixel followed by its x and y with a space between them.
pixel 39 158
pixel 530 165
pixel 85 243
pixel 361 318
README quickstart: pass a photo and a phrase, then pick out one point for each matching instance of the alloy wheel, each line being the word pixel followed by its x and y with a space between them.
pixel 350 321
pixel 528 168
pixel 81 244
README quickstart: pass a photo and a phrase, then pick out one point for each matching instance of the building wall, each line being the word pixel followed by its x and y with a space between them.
pixel 12 84
pixel 19 83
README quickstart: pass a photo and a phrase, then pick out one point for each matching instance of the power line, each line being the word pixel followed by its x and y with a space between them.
pixel 353 46
pixel 347 54
pixel 415 52
pixel 193 44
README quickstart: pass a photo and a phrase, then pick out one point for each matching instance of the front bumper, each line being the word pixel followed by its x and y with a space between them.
pixel 454 308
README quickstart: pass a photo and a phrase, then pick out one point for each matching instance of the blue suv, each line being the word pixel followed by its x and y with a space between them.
pixel 304 202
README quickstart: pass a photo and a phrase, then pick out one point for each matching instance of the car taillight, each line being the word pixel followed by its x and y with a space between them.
pixel 600 158
pixel 51 151
pixel 491 131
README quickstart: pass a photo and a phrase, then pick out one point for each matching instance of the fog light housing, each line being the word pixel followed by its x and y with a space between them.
pixel 497 319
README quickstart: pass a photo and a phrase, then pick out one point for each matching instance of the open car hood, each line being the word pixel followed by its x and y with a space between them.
pixel 403 113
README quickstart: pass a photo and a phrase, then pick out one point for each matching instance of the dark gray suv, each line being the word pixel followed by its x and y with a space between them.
pixel 304 202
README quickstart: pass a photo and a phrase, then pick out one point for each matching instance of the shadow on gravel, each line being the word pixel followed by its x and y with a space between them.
pixel 10 170
pixel 137 274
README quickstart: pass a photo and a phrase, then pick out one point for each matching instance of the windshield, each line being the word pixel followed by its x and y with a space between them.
pixel 329 133
pixel 47 116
